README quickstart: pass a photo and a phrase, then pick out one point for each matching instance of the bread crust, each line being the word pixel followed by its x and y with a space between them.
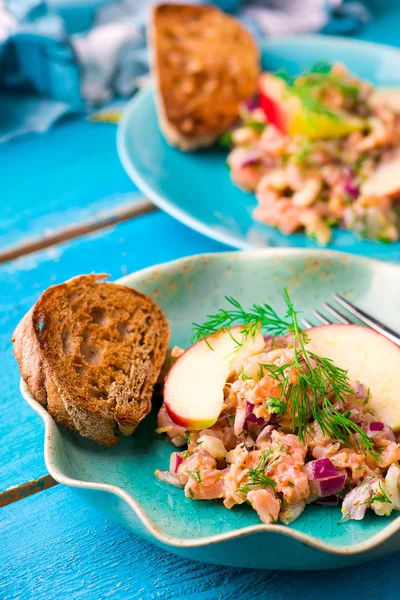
pixel 90 352
pixel 205 64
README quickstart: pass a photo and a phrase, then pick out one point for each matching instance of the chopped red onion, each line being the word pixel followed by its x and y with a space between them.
pixel 169 478
pixel 320 469
pixel 329 486
pixel 379 431
pixel 324 479
pixel 350 185
pixel 240 419
pixel 174 462
pixel 375 427
pixel 251 103
pixel 355 502
pixel 253 419
pixel 265 435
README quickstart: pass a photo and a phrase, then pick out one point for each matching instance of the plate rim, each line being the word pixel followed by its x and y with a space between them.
pixel 143 95
pixel 147 522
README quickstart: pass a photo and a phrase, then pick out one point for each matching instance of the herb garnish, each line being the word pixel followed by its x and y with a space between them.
pixel 310 87
pixel 258 316
pixel 317 384
pixel 244 376
pixel 380 496
pixel 196 475
pixel 276 406
pixel 186 453
pixel 256 475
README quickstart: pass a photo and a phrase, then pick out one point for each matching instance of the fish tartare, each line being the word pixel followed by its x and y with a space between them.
pixel 288 427
pixel 320 150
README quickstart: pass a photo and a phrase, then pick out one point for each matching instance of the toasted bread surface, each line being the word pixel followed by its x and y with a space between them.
pixel 90 352
pixel 206 64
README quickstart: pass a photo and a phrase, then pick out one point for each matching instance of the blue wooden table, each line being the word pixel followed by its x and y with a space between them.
pixel 67 208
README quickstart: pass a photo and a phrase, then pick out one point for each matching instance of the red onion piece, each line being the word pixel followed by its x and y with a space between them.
pixel 265 435
pixel 379 431
pixel 354 503
pixel 251 103
pixel 174 462
pixel 320 469
pixel 253 419
pixel 240 419
pixel 329 485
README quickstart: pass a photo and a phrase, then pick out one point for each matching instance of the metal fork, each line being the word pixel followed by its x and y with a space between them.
pixel 356 312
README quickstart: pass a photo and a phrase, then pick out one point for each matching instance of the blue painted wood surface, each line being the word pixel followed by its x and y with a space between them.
pixel 127 247
pixel 52 546
pixel 67 176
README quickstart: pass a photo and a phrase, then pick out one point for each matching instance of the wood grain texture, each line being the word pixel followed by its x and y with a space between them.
pixel 18 492
pixel 70 175
pixel 124 213
pixel 118 251
pixel 52 547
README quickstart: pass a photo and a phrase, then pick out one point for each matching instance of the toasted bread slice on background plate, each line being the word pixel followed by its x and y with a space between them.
pixel 206 64
pixel 90 353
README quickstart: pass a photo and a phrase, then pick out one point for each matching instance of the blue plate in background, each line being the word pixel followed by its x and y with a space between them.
pixel 196 189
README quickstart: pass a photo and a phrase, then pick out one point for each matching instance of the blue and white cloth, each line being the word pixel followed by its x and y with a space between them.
pixel 61 56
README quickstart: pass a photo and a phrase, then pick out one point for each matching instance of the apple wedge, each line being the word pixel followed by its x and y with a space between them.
pixel 193 391
pixel 369 358
pixel 285 109
pixel 385 181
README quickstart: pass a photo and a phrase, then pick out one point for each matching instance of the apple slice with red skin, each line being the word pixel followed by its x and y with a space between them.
pixel 285 110
pixel 385 181
pixel 370 358
pixel 193 390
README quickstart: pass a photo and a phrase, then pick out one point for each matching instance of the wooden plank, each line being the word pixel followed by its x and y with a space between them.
pixel 66 176
pixel 141 207
pixel 52 546
pixel 129 246
pixel 18 492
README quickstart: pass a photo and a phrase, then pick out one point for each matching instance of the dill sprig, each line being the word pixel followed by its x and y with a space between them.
pixel 310 87
pixel 257 476
pixel 311 387
pixel 258 316
pixel 321 384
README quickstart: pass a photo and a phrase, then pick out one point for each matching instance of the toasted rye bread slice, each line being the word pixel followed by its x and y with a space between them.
pixel 91 352
pixel 206 64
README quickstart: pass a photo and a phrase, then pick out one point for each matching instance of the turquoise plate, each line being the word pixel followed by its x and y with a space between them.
pixel 196 189
pixel 120 481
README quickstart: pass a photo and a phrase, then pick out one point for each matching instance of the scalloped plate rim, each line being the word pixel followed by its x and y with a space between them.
pixel 385 534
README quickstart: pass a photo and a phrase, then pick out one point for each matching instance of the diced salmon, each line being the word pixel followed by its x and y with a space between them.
pixel 210 487
pixel 197 464
pixel 265 504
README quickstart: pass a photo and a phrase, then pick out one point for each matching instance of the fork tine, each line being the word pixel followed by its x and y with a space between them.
pixel 368 320
pixel 321 318
pixel 306 324
pixel 335 313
